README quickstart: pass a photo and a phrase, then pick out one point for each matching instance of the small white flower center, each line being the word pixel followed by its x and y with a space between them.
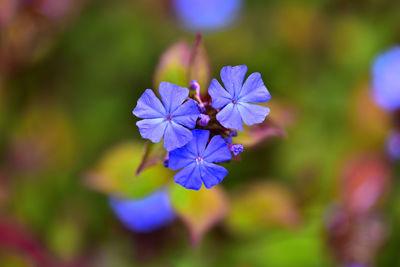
pixel 199 160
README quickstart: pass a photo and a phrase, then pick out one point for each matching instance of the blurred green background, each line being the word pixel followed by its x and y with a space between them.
pixel 69 82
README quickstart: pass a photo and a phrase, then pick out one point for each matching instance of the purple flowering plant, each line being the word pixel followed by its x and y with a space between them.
pixel 197 127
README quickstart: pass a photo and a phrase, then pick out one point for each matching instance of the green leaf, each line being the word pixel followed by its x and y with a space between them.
pixel 199 210
pixel 39 143
pixel 260 207
pixel 65 238
pixel 302 247
pixel 115 172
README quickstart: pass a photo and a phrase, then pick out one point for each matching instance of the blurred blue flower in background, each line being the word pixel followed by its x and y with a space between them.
pixel 146 214
pixel 393 145
pixel 386 79
pixel 207 14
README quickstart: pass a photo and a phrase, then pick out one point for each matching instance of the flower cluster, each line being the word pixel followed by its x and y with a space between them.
pixel 198 129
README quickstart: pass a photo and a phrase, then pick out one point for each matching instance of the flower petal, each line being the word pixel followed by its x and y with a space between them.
pixel 254 90
pixel 212 174
pixel 189 177
pixel 176 136
pixel 149 106
pixel 220 97
pixel 229 117
pixel 233 78
pixel 152 129
pixel 186 114
pixel 180 158
pixel 172 96
pixel 217 150
pixel 252 114
pixel 199 142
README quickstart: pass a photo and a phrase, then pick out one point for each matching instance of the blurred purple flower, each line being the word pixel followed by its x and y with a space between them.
pixel 207 14
pixel 197 160
pixel 393 145
pixel 167 119
pixel 386 79
pixel 235 100
pixel 146 214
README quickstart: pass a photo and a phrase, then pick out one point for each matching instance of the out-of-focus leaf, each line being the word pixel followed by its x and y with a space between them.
pixel 370 123
pixel 260 207
pixel 280 118
pixel 151 155
pixel 4 190
pixel 199 210
pixel 44 138
pixel 65 238
pixel 172 66
pixel 27 32
pixel 2 106
pixel 365 181
pixel 199 66
pixel 10 258
pixel 182 63
pixel 7 12
pixel 254 135
pixel 14 238
pixel 115 172
pixel 309 26
pixel 353 42
pixel 302 247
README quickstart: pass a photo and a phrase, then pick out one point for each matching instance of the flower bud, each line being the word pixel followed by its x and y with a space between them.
pixel 233 133
pixel 204 119
pixel 194 85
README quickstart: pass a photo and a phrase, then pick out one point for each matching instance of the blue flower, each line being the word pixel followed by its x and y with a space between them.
pixel 144 215
pixel 197 160
pixel 167 119
pixel 235 100
pixel 386 79
pixel 207 14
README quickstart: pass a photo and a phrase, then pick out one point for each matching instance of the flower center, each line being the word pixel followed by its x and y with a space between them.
pixel 199 160
pixel 234 101
pixel 169 117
